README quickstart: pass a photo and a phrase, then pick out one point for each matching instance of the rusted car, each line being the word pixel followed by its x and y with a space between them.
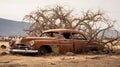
pixel 53 40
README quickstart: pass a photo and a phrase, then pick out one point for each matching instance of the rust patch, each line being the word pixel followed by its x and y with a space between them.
pixel 55 49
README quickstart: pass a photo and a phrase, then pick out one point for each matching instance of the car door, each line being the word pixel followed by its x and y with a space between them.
pixel 66 43
pixel 78 41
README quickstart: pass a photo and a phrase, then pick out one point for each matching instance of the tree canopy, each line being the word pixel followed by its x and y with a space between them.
pixel 59 17
pixel 93 23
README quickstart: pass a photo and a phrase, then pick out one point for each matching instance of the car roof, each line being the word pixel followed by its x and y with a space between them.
pixel 62 30
pixel 65 30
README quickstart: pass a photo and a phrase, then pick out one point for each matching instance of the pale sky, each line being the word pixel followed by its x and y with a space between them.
pixel 17 9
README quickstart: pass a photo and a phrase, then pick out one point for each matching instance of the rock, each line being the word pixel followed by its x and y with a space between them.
pixel 52 63
pixel 3 53
pixel 70 54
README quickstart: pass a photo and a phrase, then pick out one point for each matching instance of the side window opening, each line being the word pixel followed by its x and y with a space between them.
pixel 66 35
pixel 58 35
pixel 78 36
pixel 49 34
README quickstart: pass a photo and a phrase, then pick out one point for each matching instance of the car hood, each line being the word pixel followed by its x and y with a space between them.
pixel 27 39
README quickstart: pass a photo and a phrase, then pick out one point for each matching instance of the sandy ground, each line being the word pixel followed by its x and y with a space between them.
pixel 60 61
pixel 78 60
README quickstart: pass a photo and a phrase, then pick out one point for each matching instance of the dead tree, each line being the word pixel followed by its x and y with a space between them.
pixel 90 22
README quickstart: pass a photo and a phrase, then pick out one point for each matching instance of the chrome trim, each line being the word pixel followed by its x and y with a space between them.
pixel 23 51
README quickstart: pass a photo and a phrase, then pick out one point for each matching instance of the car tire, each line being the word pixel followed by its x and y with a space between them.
pixel 42 51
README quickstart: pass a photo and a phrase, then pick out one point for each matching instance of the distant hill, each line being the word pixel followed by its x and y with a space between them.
pixel 12 28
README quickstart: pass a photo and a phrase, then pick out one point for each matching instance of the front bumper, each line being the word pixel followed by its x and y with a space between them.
pixel 23 51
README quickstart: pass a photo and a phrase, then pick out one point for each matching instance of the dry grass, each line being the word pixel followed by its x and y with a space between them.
pixel 115 48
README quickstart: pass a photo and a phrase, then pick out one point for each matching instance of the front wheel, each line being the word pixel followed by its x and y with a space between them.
pixel 42 51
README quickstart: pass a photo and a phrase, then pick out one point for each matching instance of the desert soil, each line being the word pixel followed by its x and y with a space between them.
pixel 60 61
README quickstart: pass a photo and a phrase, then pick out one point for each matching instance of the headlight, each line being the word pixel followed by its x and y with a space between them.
pixel 32 42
